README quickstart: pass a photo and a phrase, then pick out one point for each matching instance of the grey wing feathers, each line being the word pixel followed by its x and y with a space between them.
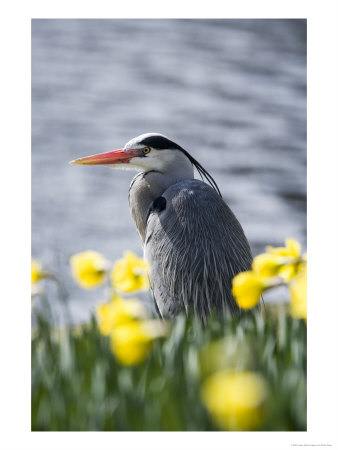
pixel 201 246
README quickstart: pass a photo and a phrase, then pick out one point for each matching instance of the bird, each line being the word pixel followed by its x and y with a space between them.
pixel 192 240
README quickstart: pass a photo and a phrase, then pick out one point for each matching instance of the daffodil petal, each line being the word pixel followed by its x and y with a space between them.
pixel 293 246
pixel 298 292
pixel 292 249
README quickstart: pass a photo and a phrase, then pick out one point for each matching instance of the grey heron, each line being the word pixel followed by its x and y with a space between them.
pixel 194 243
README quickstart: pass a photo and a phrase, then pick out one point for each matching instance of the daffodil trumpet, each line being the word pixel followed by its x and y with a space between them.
pixel 248 287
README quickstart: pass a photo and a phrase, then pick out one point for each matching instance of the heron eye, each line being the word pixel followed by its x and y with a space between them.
pixel 146 150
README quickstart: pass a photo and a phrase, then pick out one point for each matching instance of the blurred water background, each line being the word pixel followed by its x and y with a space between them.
pixel 231 92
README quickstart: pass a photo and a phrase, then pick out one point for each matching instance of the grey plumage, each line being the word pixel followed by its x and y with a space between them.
pixel 193 261
pixel 195 245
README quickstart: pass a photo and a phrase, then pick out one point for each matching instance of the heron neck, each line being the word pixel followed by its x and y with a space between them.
pixel 146 187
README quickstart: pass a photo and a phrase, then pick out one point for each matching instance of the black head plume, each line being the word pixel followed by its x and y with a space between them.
pixel 204 174
pixel 160 142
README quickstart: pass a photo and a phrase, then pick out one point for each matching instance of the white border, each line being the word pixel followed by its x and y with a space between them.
pixel 322 223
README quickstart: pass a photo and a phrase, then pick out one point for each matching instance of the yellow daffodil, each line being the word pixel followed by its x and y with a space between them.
pixel 118 312
pixel 285 262
pixel 131 342
pixel 235 399
pixel 277 265
pixel 130 274
pixel 298 291
pixel 89 269
pixel 247 288
pixel 37 272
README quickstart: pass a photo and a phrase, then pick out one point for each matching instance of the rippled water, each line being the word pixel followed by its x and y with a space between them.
pixel 232 92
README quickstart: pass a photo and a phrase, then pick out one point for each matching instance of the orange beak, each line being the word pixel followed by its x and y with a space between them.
pixel 121 156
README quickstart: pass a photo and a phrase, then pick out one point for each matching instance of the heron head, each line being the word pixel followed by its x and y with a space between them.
pixel 150 151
